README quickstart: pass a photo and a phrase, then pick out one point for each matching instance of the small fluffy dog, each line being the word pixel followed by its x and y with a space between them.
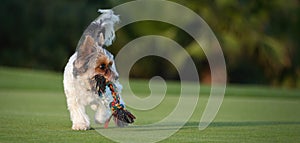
pixel 91 59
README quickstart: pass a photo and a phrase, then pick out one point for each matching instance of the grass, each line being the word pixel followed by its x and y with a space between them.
pixel 33 109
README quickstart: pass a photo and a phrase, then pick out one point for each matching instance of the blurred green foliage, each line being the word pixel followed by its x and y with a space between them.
pixel 260 39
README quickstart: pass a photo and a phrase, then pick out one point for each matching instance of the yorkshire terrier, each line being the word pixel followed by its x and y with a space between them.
pixel 83 73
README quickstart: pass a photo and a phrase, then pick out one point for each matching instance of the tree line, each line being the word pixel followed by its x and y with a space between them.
pixel 260 39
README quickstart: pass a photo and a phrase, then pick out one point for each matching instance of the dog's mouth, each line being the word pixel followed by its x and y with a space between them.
pixel 100 84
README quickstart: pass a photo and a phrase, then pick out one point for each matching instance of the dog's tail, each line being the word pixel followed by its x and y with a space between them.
pixel 102 28
pixel 106 21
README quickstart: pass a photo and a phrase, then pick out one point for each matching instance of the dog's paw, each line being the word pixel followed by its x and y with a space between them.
pixel 80 126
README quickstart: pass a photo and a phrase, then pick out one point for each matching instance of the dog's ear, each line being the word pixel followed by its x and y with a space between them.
pixel 88 46
pixel 101 39
pixel 84 53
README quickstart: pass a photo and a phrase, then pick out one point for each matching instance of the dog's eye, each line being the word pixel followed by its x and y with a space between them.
pixel 110 64
pixel 102 66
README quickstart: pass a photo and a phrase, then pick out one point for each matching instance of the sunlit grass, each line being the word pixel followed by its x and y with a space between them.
pixel 33 109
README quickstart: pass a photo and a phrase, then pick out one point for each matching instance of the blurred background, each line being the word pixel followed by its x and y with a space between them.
pixel 260 39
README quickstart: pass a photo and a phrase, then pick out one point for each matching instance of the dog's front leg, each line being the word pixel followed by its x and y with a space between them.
pixel 79 118
pixel 102 113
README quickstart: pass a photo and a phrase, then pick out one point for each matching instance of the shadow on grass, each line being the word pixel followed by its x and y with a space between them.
pixel 246 123
pixel 174 126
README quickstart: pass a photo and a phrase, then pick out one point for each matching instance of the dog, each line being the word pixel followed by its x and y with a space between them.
pixel 91 59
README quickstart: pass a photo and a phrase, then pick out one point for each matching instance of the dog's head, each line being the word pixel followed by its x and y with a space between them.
pixel 92 59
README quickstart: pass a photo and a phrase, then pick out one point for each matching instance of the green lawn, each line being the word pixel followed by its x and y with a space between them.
pixel 33 109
